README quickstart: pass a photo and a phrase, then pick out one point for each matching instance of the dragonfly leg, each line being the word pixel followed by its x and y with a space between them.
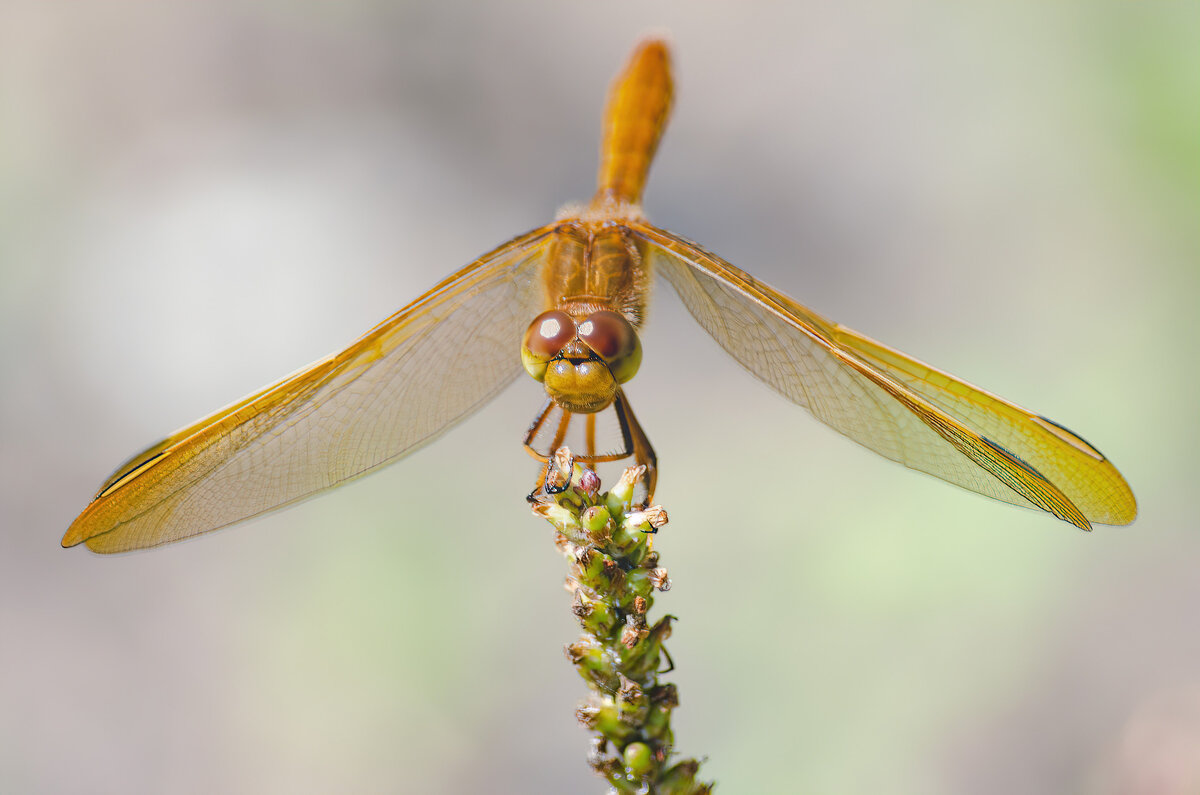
pixel 536 426
pixel 637 443
pixel 590 438
pixel 560 434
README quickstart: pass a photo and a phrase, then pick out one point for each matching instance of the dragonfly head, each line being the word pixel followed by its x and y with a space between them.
pixel 581 363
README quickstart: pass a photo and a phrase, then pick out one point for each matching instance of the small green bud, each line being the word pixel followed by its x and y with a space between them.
pixel 594 615
pixel 632 703
pixel 622 493
pixel 638 758
pixel 639 583
pixel 563 519
pixel 643 658
pixel 599 571
pixel 626 542
pixel 646 521
pixel 657 724
pixel 593 663
pixel 595 522
pixel 604 717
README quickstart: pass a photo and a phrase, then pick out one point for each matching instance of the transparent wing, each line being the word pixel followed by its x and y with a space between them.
pixel 888 402
pixel 396 388
pixel 1080 470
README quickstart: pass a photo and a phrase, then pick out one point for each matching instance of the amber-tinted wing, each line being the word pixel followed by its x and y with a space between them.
pixel 396 388
pixel 889 402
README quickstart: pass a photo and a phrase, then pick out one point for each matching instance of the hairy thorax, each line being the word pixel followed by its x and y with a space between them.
pixel 595 263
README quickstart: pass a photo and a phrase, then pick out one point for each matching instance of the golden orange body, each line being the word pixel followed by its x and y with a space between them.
pixel 575 291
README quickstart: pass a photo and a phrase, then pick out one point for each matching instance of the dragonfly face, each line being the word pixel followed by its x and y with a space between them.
pixel 572 295
pixel 581 362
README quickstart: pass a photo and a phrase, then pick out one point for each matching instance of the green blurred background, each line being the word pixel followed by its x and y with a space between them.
pixel 196 198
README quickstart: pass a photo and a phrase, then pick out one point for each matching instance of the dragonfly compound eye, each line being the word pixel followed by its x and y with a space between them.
pixel 614 340
pixel 546 336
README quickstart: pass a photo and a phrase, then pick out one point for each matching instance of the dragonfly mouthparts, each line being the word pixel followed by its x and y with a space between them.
pixel 575 352
pixel 577 358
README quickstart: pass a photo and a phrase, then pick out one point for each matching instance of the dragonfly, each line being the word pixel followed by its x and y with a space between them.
pixel 564 302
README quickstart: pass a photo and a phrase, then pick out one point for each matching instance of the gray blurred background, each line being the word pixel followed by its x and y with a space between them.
pixel 196 198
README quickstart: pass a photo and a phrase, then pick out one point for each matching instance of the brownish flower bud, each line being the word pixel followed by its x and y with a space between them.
pixel 589 482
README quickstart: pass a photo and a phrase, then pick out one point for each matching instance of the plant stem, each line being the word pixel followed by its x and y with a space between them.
pixel 614 572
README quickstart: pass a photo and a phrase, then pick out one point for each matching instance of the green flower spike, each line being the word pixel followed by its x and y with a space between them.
pixel 614 572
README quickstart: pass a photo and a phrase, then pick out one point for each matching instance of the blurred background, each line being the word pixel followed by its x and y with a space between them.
pixel 196 199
